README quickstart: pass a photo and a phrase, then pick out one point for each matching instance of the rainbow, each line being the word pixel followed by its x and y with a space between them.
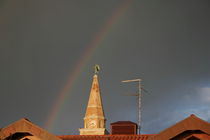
pixel 91 47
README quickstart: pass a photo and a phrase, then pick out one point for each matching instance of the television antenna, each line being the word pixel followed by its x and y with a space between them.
pixel 139 100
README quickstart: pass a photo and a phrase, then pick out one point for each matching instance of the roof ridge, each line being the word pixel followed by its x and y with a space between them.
pixel 105 135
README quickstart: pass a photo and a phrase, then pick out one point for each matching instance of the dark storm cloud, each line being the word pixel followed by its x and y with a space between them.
pixel 164 42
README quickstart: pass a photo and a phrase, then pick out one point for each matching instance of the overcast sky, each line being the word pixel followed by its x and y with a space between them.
pixel 164 42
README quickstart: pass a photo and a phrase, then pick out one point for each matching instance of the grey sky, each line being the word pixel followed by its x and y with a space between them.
pixel 164 42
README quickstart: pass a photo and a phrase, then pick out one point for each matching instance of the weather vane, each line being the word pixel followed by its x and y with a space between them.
pixel 96 69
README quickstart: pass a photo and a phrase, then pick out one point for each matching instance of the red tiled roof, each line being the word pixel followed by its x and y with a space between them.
pixel 106 137
pixel 190 123
pixel 200 136
pixel 26 126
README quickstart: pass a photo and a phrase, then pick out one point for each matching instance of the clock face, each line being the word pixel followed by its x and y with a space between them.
pixel 92 124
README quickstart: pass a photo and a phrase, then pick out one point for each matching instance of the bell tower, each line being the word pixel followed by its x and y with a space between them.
pixel 94 120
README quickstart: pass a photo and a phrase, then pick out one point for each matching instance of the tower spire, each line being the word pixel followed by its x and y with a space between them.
pixel 94 120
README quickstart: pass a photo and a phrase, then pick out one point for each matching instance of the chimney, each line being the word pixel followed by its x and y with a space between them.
pixel 124 128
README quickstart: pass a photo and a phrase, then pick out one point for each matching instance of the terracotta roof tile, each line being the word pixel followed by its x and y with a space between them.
pixel 200 136
pixel 190 123
pixel 106 137
pixel 25 126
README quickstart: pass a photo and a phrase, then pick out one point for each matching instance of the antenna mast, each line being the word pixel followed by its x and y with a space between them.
pixel 139 99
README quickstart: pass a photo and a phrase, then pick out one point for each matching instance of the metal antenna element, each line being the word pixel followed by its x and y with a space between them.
pixel 139 99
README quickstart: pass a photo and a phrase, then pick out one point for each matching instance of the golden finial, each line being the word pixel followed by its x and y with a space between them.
pixel 96 69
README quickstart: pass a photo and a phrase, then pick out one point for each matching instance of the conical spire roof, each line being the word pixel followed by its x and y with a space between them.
pixel 94 121
pixel 94 107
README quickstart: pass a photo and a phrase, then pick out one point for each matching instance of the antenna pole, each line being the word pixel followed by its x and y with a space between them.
pixel 139 101
pixel 139 128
